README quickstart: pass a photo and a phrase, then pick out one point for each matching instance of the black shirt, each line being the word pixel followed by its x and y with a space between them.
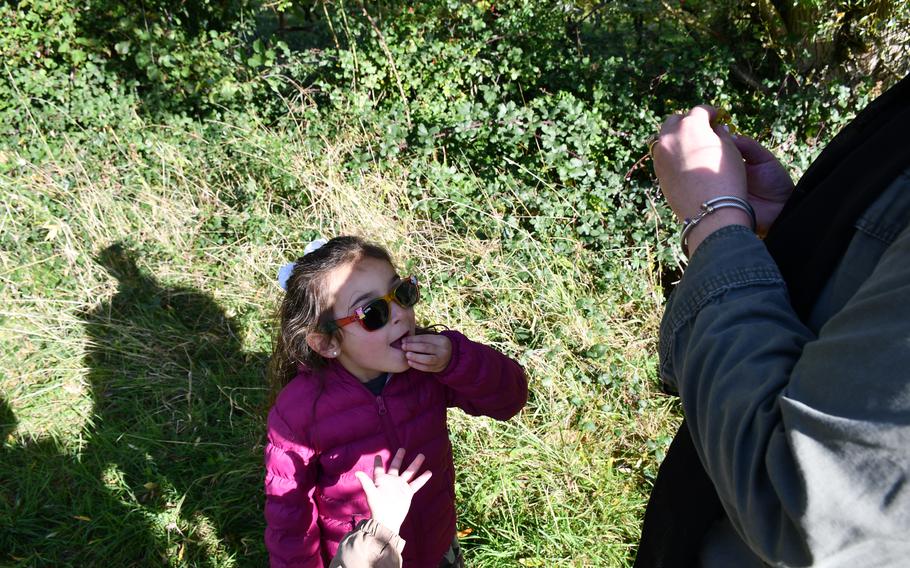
pixel 376 385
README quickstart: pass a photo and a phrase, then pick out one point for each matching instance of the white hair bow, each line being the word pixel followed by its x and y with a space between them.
pixel 284 273
pixel 314 245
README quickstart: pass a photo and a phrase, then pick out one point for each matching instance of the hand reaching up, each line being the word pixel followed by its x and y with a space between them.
pixel 389 493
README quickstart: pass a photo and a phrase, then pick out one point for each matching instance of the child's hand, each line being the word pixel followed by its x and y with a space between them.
pixel 389 493
pixel 430 353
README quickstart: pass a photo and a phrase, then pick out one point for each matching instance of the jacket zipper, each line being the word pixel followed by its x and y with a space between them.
pixel 387 426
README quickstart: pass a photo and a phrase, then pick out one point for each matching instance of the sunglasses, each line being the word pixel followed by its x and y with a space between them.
pixel 375 314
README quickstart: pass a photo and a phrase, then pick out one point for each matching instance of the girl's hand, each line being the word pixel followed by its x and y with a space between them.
pixel 430 353
pixel 768 182
pixel 696 162
pixel 389 493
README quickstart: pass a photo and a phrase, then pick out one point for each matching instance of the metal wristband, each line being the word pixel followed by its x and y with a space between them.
pixel 708 207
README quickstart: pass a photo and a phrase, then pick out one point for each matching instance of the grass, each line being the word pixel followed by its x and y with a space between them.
pixel 138 263
pixel 137 291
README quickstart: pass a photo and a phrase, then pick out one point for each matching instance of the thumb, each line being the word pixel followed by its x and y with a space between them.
pixel 723 132
pixel 369 488
pixel 752 151
pixel 728 141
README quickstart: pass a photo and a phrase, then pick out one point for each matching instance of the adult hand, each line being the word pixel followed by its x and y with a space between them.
pixel 428 352
pixel 769 184
pixel 389 493
pixel 695 162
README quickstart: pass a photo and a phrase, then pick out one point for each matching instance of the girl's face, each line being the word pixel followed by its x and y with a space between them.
pixel 368 354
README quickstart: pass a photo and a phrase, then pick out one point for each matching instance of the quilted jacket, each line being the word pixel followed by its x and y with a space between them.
pixel 325 427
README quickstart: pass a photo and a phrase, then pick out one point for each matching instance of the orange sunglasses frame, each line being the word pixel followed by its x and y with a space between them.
pixel 359 315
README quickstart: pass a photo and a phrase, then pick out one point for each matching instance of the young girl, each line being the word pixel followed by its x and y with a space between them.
pixel 358 378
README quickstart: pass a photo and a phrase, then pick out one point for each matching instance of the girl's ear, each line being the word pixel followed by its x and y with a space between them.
pixel 324 344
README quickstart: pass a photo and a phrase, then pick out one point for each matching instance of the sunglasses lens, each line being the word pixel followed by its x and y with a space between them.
pixel 407 293
pixel 375 314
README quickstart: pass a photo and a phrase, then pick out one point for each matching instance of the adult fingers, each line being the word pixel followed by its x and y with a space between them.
pixel 669 124
pixel 703 112
pixel 395 465
pixel 723 132
pixel 752 151
pixel 420 481
pixel 700 112
pixel 673 123
pixel 412 469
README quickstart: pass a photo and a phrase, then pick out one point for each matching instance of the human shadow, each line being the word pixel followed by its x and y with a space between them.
pixel 170 466
pixel 177 407
pixel 49 499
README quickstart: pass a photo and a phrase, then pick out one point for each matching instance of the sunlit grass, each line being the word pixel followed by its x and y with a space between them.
pixel 134 427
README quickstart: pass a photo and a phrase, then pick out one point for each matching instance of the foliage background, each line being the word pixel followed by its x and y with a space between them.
pixel 159 160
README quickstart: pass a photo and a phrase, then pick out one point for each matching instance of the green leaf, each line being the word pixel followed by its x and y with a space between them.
pixel 142 59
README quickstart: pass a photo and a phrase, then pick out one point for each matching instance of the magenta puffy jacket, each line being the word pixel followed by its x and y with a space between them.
pixel 322 430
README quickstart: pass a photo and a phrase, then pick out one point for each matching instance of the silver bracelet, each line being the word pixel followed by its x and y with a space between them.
pixel 708 207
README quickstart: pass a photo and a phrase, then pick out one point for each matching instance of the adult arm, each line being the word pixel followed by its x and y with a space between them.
pixel 292 534
pixel 805 437
pixel 370 545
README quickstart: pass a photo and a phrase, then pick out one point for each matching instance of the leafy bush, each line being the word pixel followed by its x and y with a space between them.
pixel 82 74
pixel 540 109
pixel 498 147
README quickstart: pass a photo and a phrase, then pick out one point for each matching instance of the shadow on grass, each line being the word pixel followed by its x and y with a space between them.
pixel 170 466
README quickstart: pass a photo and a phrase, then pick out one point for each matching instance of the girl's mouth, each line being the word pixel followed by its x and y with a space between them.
pixel 397 343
